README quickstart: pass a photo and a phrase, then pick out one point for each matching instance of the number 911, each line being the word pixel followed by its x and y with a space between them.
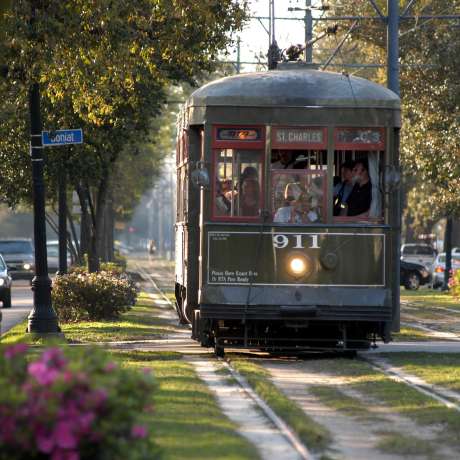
pixel 299 241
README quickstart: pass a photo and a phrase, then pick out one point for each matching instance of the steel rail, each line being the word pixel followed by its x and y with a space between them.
pixel 433 391
pixel 278 422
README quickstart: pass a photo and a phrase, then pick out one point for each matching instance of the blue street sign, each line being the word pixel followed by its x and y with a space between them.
pixel 62 137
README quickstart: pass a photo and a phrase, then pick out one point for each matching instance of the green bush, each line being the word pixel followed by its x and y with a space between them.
pixel 73 405
pixel 92 296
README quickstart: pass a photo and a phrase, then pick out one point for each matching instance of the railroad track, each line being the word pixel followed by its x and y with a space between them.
pixel 448 398
pixel 301 451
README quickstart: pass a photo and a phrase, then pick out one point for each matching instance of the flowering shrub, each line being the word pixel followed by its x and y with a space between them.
pixel 72 406
pixel 454 284
pixel 92 296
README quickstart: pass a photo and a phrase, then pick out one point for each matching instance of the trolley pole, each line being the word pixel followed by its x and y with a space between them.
pixel 42 318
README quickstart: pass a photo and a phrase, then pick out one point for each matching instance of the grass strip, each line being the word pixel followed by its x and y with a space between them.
pixel 142 322
pixel 311 433
pixel 411 334
pixel 187 421
pixel 336 399
pixel 399 444
pixel 430 298
pixel 397 396
pixel 435 368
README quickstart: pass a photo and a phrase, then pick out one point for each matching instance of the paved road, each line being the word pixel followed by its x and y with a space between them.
pixel 21 299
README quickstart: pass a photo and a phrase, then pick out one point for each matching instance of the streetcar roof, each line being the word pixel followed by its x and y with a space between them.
pixel 294 88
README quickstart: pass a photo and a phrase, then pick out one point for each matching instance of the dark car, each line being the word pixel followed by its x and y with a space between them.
pixel 19 256
pixel 5 285
pixel 414 275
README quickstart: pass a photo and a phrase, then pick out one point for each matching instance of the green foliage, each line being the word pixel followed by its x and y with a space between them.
pixel 73 404
pixel 104 67
pixel 92 296
pixel 430 92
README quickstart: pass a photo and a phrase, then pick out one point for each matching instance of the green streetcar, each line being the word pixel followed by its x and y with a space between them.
pixel 270 253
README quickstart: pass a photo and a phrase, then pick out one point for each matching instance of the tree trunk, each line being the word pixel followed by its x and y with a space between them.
pixel 85 223
pixel 448 251
pixel 456 232
pixel 97 236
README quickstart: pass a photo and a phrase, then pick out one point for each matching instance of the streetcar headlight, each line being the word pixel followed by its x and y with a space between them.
pixel 2 281
pixel 27 266
pixel 298 266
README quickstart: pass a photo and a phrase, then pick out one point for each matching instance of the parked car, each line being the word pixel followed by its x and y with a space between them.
pixel 19 257
pixel 456 250
pixel 423 254
pixel 52 249
pixel 439 267
pixel 413 275
pixel 5 285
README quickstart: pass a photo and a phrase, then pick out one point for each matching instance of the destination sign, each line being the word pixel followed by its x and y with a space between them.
pixel 298 137
pixel 360 138
pixel 240 134
pixel 62 137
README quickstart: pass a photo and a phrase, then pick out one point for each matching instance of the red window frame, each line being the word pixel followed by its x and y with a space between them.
pixel 299 145
pixel 319 172
pixel 218 145
pixel 359 145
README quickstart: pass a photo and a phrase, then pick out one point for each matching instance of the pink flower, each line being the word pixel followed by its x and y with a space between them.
pixel 109 367
pixel 42 373
pixel 64 435
pixel 139 431
pixel 45 442
pixel 14 350
pixel 60 454
pixel 53 357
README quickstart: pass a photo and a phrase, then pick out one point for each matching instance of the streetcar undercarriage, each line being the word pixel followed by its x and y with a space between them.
pixel 293 334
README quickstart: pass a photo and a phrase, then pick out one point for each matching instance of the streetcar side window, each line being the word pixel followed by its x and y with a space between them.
pixel 358 177
pixel 238 191
pixel 298 196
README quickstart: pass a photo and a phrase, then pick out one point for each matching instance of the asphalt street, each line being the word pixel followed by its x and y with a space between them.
pixel 21 300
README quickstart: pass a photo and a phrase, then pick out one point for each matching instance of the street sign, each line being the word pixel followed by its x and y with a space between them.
pixel 62 137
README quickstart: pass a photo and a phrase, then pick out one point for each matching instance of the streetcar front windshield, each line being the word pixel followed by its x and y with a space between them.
pixel 298 196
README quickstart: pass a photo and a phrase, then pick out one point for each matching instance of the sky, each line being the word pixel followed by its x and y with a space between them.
pixel 254 37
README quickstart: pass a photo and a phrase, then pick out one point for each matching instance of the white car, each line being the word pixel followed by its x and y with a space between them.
pixel 52 249
pixel 422 254
pixel 439 267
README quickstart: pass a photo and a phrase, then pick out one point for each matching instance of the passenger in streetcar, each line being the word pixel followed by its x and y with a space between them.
pixel 250 197
pixel 360 198
pixel 222 204
pixel 343 189
pixel 299 208
pixel 286 160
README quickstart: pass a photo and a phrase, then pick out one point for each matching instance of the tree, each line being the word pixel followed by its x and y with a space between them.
pixel 103 66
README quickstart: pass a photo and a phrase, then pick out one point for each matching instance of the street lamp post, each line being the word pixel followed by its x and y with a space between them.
pixel 42 318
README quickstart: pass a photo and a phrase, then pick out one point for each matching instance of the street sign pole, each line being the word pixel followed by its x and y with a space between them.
pixel 62 224
pixel 42 318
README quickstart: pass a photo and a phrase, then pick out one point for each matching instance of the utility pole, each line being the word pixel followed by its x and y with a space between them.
pixel 308 32
pixel 393 45
pixel 238 55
